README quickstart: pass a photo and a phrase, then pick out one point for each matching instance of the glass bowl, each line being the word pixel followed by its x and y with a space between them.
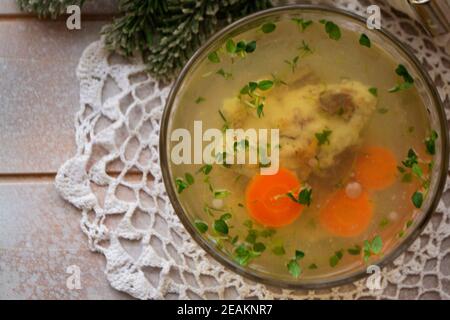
pixel 396 49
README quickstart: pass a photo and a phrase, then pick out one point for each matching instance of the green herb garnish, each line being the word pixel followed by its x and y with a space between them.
pixel 292 63
pixel 430 143
pixel 189 178
pixel 221 194
pixel 304 196
pixel 181 184
pixel 373 247
pixel 407 78
pixel 334 259
pixel 268 27
pixel 214 57
pixel 302 23
pixel 365 41
pixel 374 91
pixel 199 100
pixel 417 199
pixel 221 227
pixel 201 226
pixel 259 247
pixel 332 29
pixel 206 169
pixel 241 48
pixel 323 137
pixel 293 266
pixel 411 159
pixel 305 48
pixel 224 74
pixel 354 251
pixel 243 255
pixel 384 222
pixel 312 266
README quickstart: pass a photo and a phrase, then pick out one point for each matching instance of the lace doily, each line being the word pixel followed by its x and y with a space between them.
pixel 115 181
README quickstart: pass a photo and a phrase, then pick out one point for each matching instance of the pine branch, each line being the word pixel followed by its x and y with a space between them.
pixel 165 32
pixel 168 32
pixel 47 8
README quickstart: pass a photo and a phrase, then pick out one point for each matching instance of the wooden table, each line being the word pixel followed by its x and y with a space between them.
pixel 40 235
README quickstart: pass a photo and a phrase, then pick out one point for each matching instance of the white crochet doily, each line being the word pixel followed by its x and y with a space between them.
pixel 114 179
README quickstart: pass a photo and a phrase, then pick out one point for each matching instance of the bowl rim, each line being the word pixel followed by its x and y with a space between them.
pixel 220 256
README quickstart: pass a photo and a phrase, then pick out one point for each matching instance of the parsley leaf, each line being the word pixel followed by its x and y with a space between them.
pixel 374 91
pixel 323 136
pixel 304 196
pixel 214 57
pixel 294 268
pixel 201 226
pixel 365 41
pixel 334 259
pixel 411 160
pixel 189 178
pixel 223 73
pixel 293 63
pixel 373 247
pixel 268 27
pixel 181 184
pixel 354 251
pixel 417 199
pixel 430 143
pixel 220 226
pixel 302 23
pixel 206 169
pixel 199 100
pixel 332 29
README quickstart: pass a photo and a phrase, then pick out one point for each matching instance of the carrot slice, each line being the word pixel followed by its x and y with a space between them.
pixel 266 200
pixel 376 168
pixel 346 217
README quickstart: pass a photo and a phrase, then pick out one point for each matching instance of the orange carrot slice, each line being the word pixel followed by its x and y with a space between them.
pixel 346 217
pixel 267 202
pixel 376 168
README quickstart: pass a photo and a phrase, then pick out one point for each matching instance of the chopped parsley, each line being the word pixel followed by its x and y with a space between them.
pixel 302 23
pixel 268 27
pixel 305 48
pixel 221 227
pixel 293 265
pixel 241 48
pixel 417 199
pixel 224 74
pixel 365 41
pixel 323 137
pixel 206 169
pixel 354 251
pixel 199 100
pixel 373 247
pixel 334 259
pixel 221 194
pixel 407 78
pixel 374 91
pixel 214 57
pixel 312 266
pixel 181 184
pixel 332 29
pixel 201 226
pixel 430 143
pixel 304 196
pixel 292 63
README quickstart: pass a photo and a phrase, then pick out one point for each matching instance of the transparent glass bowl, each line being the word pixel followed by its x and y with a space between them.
pixel 397 50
